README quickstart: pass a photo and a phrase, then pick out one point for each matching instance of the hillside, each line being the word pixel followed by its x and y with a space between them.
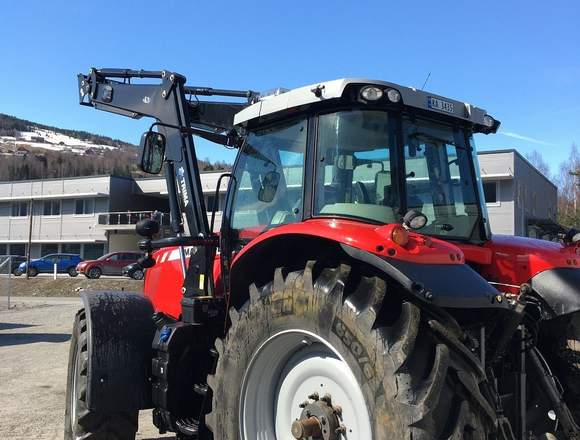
pixel 29 150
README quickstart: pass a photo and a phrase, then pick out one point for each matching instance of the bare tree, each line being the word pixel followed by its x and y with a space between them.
pixel 569 190
pixel 536 159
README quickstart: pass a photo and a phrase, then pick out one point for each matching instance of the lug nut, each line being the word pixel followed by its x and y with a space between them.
pixel 303 404
pixel 340 430
pixel 327 398
pixel 337 409
pixel 314 396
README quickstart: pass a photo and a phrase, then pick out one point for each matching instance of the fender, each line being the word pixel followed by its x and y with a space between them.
pixel 120 331
pixel 435 279
pixel 443 285
pixel 559 288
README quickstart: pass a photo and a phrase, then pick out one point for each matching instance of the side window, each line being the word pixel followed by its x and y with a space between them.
pixel 19 209
pixel 114 257
pixel 438 179
pixel 84 206
pixel 51 207
pixel 269 177
pixel 353 176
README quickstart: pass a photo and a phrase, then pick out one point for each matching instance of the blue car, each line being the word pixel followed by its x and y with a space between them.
pixel 65 263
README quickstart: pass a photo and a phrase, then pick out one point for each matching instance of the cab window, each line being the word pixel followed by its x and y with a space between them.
pixel 269 179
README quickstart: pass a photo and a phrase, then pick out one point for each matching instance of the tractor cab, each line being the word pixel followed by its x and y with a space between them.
pixel 362 153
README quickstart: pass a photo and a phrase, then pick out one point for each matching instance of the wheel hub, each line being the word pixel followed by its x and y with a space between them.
pixel 319 420
pixel 288 367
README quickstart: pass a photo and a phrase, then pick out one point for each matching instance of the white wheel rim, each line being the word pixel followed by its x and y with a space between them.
pixel 283 372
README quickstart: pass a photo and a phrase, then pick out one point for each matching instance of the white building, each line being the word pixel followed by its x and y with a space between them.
pixel 95 215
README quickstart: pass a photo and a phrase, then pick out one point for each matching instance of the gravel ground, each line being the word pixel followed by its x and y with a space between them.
pixel 34 339
pixel 65 285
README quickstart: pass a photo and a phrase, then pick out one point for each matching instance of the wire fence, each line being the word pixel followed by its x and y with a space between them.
pixel 5 282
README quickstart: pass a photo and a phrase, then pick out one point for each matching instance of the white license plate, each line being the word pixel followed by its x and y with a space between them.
pixel 439 104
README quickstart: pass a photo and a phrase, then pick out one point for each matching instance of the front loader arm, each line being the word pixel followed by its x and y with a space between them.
pixel 179 114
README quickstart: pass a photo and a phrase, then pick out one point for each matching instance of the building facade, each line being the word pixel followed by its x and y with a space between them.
pixel 94 215
pixel 518 196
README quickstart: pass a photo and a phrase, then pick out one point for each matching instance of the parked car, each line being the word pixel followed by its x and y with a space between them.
pixel 65 263
pixel 134 270
pixel 108 264
pixel 15 261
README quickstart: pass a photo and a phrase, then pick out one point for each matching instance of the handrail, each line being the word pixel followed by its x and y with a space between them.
pixel 128 218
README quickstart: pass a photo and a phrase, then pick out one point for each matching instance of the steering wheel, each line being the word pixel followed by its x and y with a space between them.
pixel 360 193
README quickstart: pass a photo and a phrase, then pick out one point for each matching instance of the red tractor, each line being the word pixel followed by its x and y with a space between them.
pixel 354 290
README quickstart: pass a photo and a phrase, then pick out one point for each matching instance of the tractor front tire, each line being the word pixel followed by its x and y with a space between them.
pixel 79 421
pixel 314 341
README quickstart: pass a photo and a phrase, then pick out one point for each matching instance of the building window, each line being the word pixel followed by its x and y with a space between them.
pixel 92 251
pixel 71 248
pixel 18 249
pixel 491 191
pixel 3 249
pixel 19 209
pixel 51 207
pixel 48 248
pixel 84 206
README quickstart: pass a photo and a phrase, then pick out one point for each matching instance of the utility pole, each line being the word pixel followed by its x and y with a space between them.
pixel 30 215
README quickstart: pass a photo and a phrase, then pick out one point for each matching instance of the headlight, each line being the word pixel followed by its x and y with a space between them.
pixel 393 95
pixel 371 93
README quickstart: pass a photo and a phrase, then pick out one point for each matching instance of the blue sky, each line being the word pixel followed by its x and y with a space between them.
pixel 520 60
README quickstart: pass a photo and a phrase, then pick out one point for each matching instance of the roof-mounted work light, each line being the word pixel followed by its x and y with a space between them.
pixel 371 93
pixel 393 95
pixel 488 121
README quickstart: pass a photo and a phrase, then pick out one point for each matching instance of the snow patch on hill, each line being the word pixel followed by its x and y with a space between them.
pixel 49 140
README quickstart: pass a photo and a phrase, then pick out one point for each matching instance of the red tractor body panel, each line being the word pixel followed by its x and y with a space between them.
pixel 368 237
pixel 515 260
pixel 164 280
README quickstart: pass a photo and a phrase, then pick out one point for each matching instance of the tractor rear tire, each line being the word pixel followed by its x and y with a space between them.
pixel 396 378
pixel 79 421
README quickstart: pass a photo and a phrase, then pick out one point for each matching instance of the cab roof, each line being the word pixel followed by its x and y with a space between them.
pixel 324 91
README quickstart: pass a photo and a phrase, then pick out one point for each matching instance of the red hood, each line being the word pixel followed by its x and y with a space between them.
pixel 515 260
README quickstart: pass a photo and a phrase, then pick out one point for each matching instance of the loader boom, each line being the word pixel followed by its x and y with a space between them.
pixel 179 114
pixel 164 101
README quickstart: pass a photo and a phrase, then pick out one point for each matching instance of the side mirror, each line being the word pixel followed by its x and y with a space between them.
pixel 152 152
pixel 269 187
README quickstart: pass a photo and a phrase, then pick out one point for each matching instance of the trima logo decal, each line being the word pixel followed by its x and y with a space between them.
pixel 182 185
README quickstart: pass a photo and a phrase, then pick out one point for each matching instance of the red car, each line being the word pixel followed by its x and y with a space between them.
pixel 108 264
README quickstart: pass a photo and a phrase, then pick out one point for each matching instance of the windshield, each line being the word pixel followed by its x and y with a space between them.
pixel 363 172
